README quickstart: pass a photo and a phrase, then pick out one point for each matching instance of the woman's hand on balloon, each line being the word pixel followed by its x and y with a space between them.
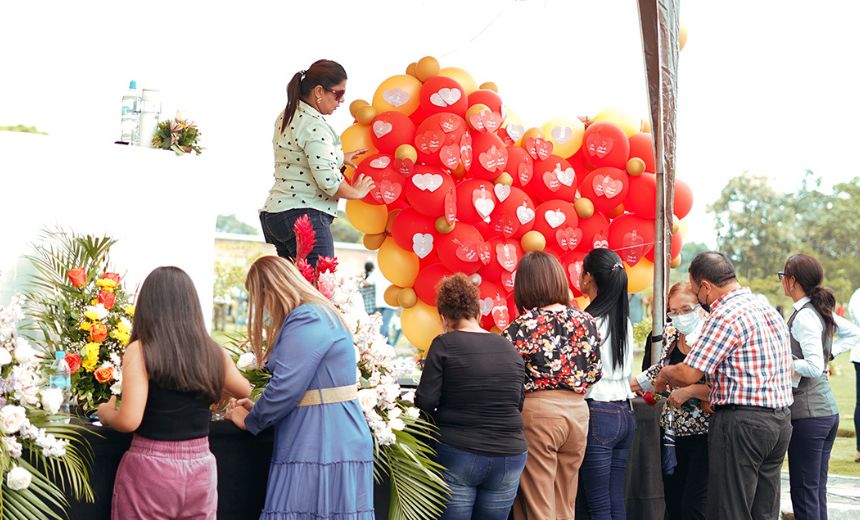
pixel 348 157
pixel 363 184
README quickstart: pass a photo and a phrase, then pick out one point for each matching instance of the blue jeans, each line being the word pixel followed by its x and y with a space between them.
pixel 610 435
pixel 278 231
pixel 387 313
pixel 483 487
pixel 808 461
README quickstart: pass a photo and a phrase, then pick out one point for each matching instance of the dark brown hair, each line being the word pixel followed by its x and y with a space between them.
pixel 326 73
pixel 809 273
pixel 177 349
pixel 540 282
pixel 458 298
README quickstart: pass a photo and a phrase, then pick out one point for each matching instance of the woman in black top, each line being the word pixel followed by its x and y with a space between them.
pixel 472 385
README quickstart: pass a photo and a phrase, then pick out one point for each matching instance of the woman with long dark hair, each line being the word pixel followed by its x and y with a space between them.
pixel 172 372
pixel 309 162
pixel 814 414
pixel 611 423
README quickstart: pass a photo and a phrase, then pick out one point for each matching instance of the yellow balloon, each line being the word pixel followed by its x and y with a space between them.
pixel 489 85
pixel 462 77
pixel 426 68
pixel 682 227
pixel 399 266
pixel 356 137
pixel 566 135
pixel 639 276
pixel 533 241
pixel 398 93
pixel 421 324
pixel 629 125
pixel 365 114
pixel 682 37
pixel 367 218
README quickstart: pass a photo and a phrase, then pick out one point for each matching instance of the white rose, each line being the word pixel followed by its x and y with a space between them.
pixel 13 447
pixel 116 388
pixel 396 424
pixel 18 478
pixel 12 417
pixel 5 357
pixel 247 361
pixel 52 398
pixel 367 399
pixel 394 413
pixel 413 412
pixel 409 396
pixel 23 351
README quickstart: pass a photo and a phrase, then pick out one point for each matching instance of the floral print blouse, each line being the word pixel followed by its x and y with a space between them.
pixel 688 420
pixel 561 349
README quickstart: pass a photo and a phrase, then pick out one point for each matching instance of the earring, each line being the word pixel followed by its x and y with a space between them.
pixel 319 100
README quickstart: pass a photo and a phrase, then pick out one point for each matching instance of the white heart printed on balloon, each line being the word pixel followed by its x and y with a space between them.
pixel 565 176
pixel 554 218
pixel 380 162
pixel 422 244
pixel 503 191
pixel 427 181
pixel 486 306
pixel 381 128
pixel 445 97
pixel 525 214
pixel 396 97
pixel 561 134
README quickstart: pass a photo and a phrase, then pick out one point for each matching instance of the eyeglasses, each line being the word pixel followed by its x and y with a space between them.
pixel 338 94
pixel 683 310
pixel 780 275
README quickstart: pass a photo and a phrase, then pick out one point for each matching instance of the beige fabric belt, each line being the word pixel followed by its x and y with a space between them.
pixel 338 394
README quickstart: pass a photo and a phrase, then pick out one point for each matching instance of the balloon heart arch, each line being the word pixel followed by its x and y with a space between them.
pixel 461 186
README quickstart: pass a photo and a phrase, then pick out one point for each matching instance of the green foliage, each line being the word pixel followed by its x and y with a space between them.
pixel 22 128
pixel 342 230
pixel 232 224
pixel 178 135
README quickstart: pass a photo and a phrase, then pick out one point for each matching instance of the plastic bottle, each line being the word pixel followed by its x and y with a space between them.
pixel 150 110
pixel 61 377
pixel 130 120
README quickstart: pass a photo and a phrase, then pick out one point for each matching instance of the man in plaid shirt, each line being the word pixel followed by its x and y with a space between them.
pixel 744 352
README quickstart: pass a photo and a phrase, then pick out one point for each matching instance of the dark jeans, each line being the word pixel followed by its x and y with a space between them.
pixel 387 313
pixel 483 487
pixel 857 404
pixel 746 448
pixel 686 490
pixel 278 231
pixel 808 462
pixel 610 435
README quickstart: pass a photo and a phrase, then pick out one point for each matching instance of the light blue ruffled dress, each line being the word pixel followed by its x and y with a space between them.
pixel 322 460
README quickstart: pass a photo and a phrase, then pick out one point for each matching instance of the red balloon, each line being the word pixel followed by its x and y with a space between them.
pixel 631 236
pixel 414 232
pixel 604 144
pixel 438 140
pixel 427 280
pixel 476 201
pixel 572 263
pixel 520 166
pixel 515 216
pixel 683 199
pixel 388 187
pixel 512 307
pixel 493 305
pixel 557 221
pixel 427 188
pixel 554 178
pixel 391 129
pixel 577 160
pixel 675 245
pixel 432 258
pixel 489 156
pixel 443 94
pixel 606 188
pixel 505 254
pixel 642 146
pixel 595 233
pixel 486 97
pixel 463 249
pixel 642 197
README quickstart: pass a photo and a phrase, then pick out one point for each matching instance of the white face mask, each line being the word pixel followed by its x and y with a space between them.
pixel 687 323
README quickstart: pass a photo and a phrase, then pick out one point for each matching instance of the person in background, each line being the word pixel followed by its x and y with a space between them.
pixel 309 162
pixel 379 283
pixel 686 489
pixel 744 350
pixel 854 313
pixel 814 414
pixel 367 289
pixel 472 386
pixel 611 422
pixel 560 347
pixel 173 371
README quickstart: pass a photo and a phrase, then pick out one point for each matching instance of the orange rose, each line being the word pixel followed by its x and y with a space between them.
pixel 104 374
pixel 111 276
pixel 107 299
pixel 77 276
pixel 74 362
pixel 98 332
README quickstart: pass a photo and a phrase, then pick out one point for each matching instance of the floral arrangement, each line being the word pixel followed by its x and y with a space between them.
pixel 180 135
pixel 400 435
pixel 82 308
pixel 39 454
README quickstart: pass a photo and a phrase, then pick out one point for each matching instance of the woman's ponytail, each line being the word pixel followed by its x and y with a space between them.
pixel 808 272
pixel 294 94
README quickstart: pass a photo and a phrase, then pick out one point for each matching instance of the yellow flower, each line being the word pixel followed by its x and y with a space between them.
pixel 122 336
pixel 91 356
pixel 106 284
pixel 94 302
pixel 92 314
pixel 129 309
pixel 85 325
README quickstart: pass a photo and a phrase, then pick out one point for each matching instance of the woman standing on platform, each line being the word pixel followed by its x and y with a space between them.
pixel 560 347
pixel 814 414
pixel 472 386
pixel 322 459
pixel 172 372
pixel 309 162
pixel 611 422
pixel 686 489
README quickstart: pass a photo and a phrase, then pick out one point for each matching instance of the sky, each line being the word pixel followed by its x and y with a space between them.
pixel 764 86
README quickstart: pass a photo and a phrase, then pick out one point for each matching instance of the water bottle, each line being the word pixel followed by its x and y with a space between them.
pixel 150 110
pixel 61 377
pixel 130 122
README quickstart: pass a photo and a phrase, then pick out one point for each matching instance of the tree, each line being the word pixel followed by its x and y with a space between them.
pixel 688 253
pixel 342 230
pixel 231 224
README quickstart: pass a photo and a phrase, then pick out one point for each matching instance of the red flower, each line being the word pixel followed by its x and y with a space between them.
pixel 326 264
pixel 104 374
pixel 107 299
pixel 306 269
pixel 305 236
pixel 111 276
pixel 649 398
pixel 74 361
pixel 77 276
pixel 98 332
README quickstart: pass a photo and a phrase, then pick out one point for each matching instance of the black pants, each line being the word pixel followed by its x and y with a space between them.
pixel 687 489
pixel 278 231
pixel 857 404
pixel 808 463
pixel 746 448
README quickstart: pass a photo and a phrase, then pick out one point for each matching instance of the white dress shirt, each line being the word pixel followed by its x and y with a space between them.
pixel 807 330
pixel 615 383
pixel 849 333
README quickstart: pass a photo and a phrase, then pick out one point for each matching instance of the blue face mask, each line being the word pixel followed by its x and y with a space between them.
pixel 687 323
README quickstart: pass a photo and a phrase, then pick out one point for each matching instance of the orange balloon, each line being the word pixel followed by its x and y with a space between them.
pixel 466 80
pixel 367 218
pixel 365 114
pixel 399 266
pixel 426 68
pixel 639 276
pixel 398 93
pixel 421 324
